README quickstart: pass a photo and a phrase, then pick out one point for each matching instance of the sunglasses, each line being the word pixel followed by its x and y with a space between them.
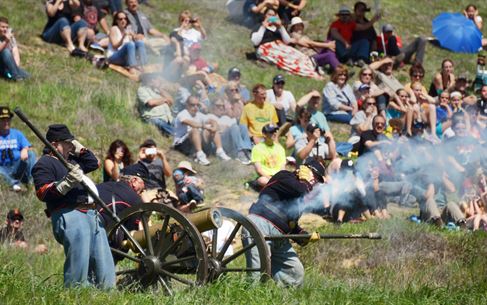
pixel 371 104
pixel 122 18
pixel 380 124
pixel 366 74
pixel 234 90
pixel 418 75
pixel 193 105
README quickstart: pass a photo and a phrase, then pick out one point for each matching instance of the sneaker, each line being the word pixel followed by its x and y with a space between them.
pixel 242 157
pixel 78 53
pixel 222 155
pixel 359 63
pixel 96 46
pixel 201 158
pixel 16 188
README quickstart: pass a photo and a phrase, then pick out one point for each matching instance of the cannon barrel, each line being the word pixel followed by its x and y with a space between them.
pixel 326 236
pixel 203 220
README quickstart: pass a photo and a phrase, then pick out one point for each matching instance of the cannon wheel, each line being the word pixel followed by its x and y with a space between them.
pixel 162 263
pixel 221 264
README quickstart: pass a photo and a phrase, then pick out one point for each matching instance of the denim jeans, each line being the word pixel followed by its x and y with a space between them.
pixel 236 138
pixel 53 34
pixel 19 171
pixel 358 50
pixel 88 256
pixel 164 126
pixel 127 55
pixel 115 6
pixel 339 117
pixel 286 268
pixel 8 67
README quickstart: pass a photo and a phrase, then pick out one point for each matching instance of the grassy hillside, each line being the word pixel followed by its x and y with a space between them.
pixel 412 265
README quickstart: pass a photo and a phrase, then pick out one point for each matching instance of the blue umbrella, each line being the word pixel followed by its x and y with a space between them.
pixel 457 33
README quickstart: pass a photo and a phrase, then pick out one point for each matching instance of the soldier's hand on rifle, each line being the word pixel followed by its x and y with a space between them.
pixel 74 176
pixel 78 148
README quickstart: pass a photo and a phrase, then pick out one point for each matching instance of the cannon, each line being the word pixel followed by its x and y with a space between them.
pixel 169 250
pixel 172 250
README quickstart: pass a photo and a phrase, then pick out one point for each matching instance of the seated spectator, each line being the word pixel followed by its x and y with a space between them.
pixel 472 13
pixel 443 80
pixel 143 29
pixel 341 30
pixel 271 41
pixel 189 188
pixel 94 12
pixel 154 103
pixel 385 79
pixel 482 103
pixel 289 9
pixel 359 10
pixel 268 156
pixel 374 139
pixel 427 110
pixel 282 100
pixel 12 234
pixel 198 63
pixel 416 74
pixel 315 143
pixel 303 117
pixel 155 161
pixel 118 157
pixel 462 85
pixel 366 77
pixel 189 32
pixel 235 137
pixel 61 27
pixel 234 77
pixel 258 113
pixel 194 132
pixel 9 54
pixel 322 52
pixel 362 120
pixel 391 45
pixel 475 127
pixel 124 49
pixel 187 88
pixel 234 102
pixel 254 11
pixel 16 157
pixel 339 103
pixel 398 107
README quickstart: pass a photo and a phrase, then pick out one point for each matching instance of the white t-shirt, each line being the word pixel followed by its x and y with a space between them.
pixel 286 99
pixel 181 130
pixel 223 122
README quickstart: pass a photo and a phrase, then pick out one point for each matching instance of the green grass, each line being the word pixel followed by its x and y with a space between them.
pixel 411 265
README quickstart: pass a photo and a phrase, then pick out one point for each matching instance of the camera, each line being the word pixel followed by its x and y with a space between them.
pixel 193 20
pixel 151 151
pixel 273 19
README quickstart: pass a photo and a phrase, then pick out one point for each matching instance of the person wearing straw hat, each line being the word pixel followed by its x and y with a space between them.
pixel 341 30
pixel 189 188
pixel 322 52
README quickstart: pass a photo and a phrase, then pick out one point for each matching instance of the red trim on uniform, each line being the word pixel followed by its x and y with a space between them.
pixel 41 192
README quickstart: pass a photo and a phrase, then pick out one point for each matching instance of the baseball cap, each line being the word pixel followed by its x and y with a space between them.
pixel 138 169
pixel 316 167
pixel 269 129
pixel 233 73
pixel 463 76
pixel 279 78
pixel 363 87
pixel 387 28
pixel 311 127
pixel 344 10
pixel 15 214
pixel 5 113
pixel 148 143
pixel 361 3
pixel 58 132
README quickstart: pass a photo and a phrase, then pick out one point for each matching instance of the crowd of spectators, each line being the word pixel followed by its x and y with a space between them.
pixel 414 146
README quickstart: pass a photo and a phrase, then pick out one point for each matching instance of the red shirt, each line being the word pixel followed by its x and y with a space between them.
pixel 379 42
pixel 345 29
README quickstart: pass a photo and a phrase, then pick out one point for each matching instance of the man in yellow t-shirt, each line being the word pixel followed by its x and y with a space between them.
pixel 269 156
pixel 258 113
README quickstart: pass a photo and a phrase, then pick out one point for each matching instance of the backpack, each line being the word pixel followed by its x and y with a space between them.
pixel 90 15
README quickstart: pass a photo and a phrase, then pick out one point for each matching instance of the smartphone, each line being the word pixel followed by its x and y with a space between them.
pixel 273 19
pixel 151 151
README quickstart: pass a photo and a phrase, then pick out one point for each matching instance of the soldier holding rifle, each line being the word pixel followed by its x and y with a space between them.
pixel 75 222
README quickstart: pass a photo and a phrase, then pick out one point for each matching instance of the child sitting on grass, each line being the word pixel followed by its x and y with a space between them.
pixel 189 188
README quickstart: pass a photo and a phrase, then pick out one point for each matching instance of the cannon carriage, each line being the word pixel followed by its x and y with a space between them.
pixel 171 250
